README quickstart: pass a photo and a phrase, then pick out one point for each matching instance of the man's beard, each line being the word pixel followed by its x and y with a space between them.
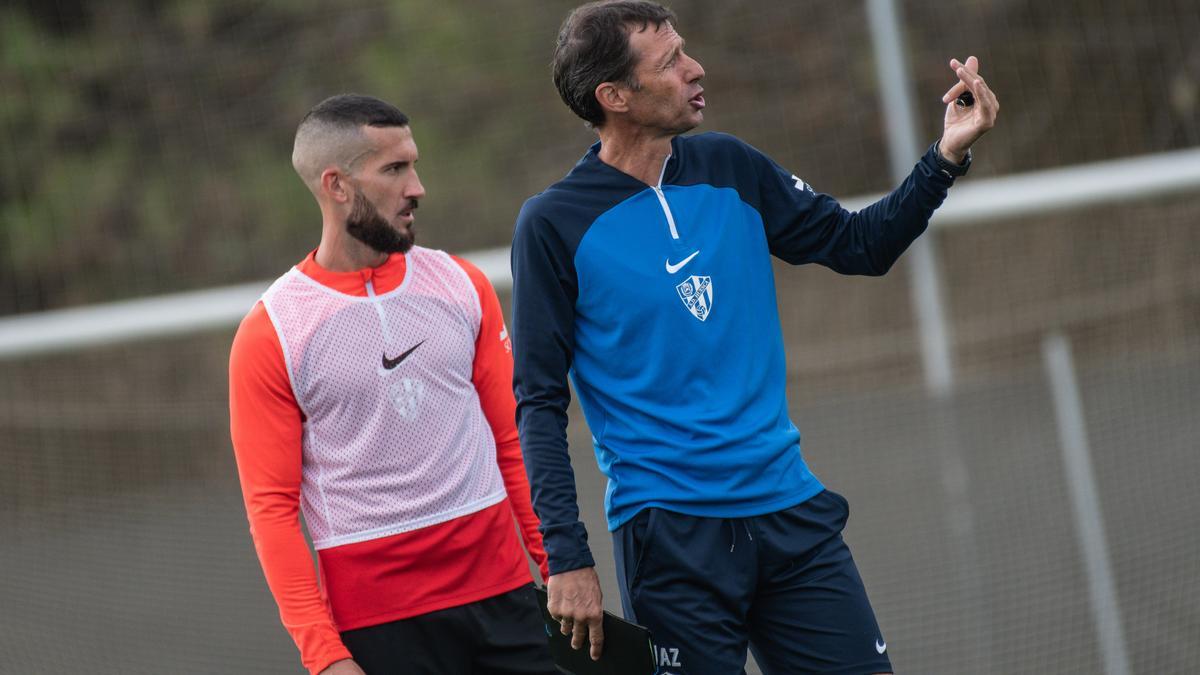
pixel 367 225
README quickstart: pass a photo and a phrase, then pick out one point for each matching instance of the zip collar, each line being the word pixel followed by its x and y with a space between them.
pixel 383 279
pixel 666 175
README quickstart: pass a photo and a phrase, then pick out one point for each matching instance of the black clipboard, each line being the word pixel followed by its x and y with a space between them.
pixel 627 647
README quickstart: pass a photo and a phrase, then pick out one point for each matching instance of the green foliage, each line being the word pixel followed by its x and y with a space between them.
pixel 145 144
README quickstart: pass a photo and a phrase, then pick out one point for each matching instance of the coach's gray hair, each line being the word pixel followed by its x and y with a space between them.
pixel 331 134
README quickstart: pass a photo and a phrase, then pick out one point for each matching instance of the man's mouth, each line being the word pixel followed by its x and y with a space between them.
pixel 697 101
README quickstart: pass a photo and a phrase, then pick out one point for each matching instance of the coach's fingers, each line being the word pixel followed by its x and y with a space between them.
pixel 596 637
pixel 579 634
pixel 972 66
pixel 968 73
pixel 989 98
pixel 954 92
pixel 975 83
pixel 987 106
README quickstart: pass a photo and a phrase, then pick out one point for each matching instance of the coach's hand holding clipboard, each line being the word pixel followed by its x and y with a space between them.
pixel 624 648
pixel 575 603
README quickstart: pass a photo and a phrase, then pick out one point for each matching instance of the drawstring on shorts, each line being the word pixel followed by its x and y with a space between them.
pixel 733 534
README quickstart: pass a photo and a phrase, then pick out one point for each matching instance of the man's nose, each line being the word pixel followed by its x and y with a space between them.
pixel 695 70
pixel 415 189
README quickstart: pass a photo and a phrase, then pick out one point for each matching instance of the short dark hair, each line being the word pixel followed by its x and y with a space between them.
pixel 332 133
pixel 593 48
pixel 357 110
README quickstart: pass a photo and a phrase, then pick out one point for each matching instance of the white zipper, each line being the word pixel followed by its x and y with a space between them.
pixel 387 334
pixel 662 199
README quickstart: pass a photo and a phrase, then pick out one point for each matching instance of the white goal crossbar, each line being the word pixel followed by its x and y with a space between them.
pixel 1032 193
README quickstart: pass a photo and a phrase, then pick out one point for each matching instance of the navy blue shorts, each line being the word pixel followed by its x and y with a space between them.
pixel 783 584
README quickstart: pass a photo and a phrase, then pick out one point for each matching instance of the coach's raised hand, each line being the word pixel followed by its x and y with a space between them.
pixel 575 600
pixel 965 124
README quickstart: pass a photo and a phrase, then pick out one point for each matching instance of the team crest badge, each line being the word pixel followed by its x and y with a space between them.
pixel 697 295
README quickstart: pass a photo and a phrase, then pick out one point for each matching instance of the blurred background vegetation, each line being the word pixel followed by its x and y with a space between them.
pixel 146 143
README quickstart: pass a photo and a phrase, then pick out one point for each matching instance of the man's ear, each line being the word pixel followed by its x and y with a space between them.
pixel 612 97
pixel 335 186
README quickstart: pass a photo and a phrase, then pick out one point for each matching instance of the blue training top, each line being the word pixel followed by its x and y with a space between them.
pixel 660 303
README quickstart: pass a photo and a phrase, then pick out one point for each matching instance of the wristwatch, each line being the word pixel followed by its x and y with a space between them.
pixel 947 167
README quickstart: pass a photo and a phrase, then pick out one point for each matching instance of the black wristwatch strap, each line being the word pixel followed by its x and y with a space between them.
pixel 950 168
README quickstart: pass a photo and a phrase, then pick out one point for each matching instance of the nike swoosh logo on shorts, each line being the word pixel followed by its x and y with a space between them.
pixel 672 269
pixel 388 364
pixel 880 647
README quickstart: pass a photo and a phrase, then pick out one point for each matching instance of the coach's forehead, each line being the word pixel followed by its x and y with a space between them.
pixel 652 43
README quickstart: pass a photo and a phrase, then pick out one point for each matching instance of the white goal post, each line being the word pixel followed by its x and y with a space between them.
pixel 1031 193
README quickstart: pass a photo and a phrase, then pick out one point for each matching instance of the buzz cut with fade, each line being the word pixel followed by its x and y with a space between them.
pixel 331 134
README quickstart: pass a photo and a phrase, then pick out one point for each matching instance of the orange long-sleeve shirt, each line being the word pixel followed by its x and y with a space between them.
pixel 365 583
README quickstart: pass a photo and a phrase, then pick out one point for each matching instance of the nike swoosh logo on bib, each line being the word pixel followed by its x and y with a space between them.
pixel 672 269
pixel 388 364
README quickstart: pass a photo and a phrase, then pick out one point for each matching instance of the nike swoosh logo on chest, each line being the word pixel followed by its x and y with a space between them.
pixel 389 364
pixel 672 269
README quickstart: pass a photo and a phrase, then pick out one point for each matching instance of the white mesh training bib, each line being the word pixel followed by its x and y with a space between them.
pixel 394 437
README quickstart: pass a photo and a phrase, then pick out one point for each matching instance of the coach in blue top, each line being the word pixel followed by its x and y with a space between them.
pixel 645 275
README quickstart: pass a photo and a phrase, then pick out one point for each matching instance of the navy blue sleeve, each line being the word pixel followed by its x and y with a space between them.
pixel 544 293
pixel 805 226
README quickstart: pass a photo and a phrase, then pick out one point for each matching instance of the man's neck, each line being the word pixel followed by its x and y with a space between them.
pixel 641 153
pixel 339 252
